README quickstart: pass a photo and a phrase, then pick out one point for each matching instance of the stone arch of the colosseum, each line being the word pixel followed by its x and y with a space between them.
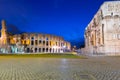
pixel 50 50
pixel 36 50
pixel 28 50
pixel 40 50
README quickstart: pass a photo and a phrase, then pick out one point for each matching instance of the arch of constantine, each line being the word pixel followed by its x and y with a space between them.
pixel 31 43
pixel 102 35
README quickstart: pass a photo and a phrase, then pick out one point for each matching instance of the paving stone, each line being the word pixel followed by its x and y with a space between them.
pixel 93 68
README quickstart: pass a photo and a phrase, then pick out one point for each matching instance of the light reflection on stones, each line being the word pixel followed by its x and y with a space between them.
pixel 100 68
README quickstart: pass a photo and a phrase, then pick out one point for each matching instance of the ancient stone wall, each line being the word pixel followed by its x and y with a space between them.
pixel 102 35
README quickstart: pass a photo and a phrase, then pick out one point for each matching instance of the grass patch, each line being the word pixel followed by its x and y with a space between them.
pixel 47 55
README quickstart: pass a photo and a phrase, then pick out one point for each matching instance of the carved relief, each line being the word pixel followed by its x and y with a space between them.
pixel 116 28
pixel 114 7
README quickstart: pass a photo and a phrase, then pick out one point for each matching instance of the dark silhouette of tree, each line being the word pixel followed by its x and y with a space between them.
pixel 13 29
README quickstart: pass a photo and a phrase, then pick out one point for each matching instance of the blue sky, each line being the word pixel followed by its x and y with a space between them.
pixel 67 18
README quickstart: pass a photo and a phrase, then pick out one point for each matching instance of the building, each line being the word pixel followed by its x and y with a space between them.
pixel 31 42
pixel 102 35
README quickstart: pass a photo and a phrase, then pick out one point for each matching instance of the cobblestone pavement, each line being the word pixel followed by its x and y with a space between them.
pixel 94 68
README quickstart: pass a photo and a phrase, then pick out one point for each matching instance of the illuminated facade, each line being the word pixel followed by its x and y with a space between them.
pixel 102 35
pixel 31 43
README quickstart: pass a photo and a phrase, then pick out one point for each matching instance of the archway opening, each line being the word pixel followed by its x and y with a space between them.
pixel 28 50
pixel 39 49
pixel 46 49
pixel 35 50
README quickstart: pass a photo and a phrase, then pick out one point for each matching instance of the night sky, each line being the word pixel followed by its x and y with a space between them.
pixel 67 18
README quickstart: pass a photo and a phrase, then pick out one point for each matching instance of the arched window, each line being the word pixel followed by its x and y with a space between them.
pixel 36 42
pixel 24 41
pixel 28 50
pixel 50 43
pixel 43 42
pixel 39 49
pixel 46 43
pixel 32 38
pixel 32 42
pixel 43 49
pixel 46 49
pixel 35 49
pixel 40 41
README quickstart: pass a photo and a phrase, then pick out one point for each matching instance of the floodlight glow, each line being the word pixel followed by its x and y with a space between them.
pixel 54 47
pixel 64 46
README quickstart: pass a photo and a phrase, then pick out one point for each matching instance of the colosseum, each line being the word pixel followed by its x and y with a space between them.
pixel 31 42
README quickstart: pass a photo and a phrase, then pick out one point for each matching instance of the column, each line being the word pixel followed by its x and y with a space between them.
pixel 102 35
